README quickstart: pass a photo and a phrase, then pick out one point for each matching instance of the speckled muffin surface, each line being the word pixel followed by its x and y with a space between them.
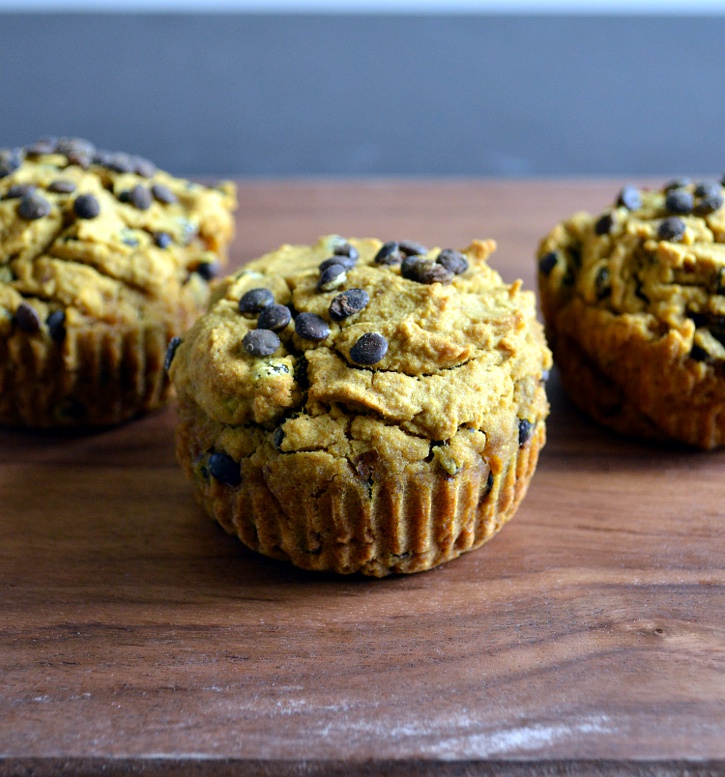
pixel 363 407
pixel 634 307
pixel 103 260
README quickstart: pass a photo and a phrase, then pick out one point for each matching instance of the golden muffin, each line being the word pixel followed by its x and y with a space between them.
pixel 634 307
pixel 359 406
pixel 103 260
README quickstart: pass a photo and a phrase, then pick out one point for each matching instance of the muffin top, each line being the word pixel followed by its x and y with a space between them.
pixel 103 236
pixel 366 338
pixel 655 257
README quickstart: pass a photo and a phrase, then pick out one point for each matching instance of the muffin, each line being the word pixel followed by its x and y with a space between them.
pixel 103 260
pixel 634 307
pixel 355 406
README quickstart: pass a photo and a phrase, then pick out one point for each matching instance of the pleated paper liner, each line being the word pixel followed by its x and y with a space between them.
pixel 321 513
pixel 637 386
pixel 98 375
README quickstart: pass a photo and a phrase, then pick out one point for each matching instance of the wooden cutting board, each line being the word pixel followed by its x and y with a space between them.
pixel 136 637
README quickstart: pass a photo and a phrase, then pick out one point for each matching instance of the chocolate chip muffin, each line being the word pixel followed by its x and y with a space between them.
pixel 103 260
pixel 357 406
pixel 634 305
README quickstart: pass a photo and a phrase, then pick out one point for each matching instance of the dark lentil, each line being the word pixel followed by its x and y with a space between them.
pixel 301 370
pixel 118 162
pixel 274 317
pixel 254 300
pixel 207 270
pixel 260 342
pixel 452 260
pixel 525 430
pixel 487 489
pixel 331 277
pixel 434 273
pixel 310 326
pixel 348 303
pixel 124 195
pixel 10 161
pixel 143 167
pixel 410 267
pixel 33 206
pixel 548 262
pixel 601 283
pixel 629 198
pixel 224 469
pixel 414 268
pixel 679 201
pixel 389 253
pixel 77 151
pixel 140 197
pixel 20 190
pixel 27 318
pixel 62 187
pixel 56 325
pixel 710 203
pixel 370 348
pixel 411 248
pixel 42 146
pixel 86 206
pixel 79 158
pixel 163 194
pixel 345 249
pixel 174 343
pixel 163 239
pixel 678 183
pixel 102 157
pixel 74 146
pixel 345 261
pixel 604 224
pixel 671 228
pixel 278 438
pixel 707 188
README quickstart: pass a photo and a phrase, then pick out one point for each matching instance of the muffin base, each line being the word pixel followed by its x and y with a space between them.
pixel 98 376
pixel 635 384
pixel 326 513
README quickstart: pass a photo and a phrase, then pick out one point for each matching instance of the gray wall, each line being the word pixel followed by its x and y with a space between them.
pixel 280 95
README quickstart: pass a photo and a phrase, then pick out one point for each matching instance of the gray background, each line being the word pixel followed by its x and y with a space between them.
pixel 413 95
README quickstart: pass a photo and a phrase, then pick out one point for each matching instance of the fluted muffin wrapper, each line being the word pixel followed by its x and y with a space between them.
pixel 634 384
pixel 330 514
pixel 98 375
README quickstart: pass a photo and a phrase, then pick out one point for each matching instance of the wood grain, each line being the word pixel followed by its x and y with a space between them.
pixel 587 638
